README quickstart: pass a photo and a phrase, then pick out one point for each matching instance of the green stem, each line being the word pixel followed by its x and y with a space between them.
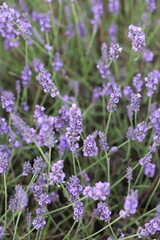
pixel 131 236
pixel 68 234
pixel 108 122
pixel 121 179
pixel 138 176
pixel 108 166
pixel 148 202
pixel 15 230
pixel 5 189
pixel 74 163
pixel 102 229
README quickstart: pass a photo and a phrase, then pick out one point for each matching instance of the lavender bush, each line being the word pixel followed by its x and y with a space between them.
pixel 80 119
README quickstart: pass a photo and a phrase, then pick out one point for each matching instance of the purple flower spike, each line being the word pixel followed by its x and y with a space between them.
pixel 114 6
pixel 137 82
pixel 89 147
pixel 44 78
pixel 57 175
pixel 57 63
pixel 137 37
pixel 131 202
pixel 78 211
pixel 114 99
pixel 140 131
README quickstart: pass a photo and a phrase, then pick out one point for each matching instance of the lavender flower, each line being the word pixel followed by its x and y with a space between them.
pixel 27 168
pixel 135 102
pixel 13 24
pixel 104 51
pixel 4 128
pixel 1 232
pixel 70 30
pixel 38 65
pixel 5 154
pixel 103 212
pixel 151 82
pixel 155 120
pixel 63 144
pixel 98 192
pixel 27 133
pixel 151 5
pixel 26 74
pixel 127 91
pixel 146 160
pixel 14 143
pixel 57 63
pixel 97 93
pixel 114 99
pixel 74 188
pixel 78 211
pixel 113 33
pixel 97 10
pixel 150 170
pixel 20 200
pixel 25 106
pixel 140 131
pixel 129 174
pixel 103 69
pixel 81 28
pixel 130 134
pixel 75 126
pixel 148 55
pixel 137 37
pixel 18 87
pixel 57 175
pixel 38 165
pixel 44 78
pixel 39 222
pixel 8 101
pixel 89 147
pixel 114 51
pixel 103 142
pixel 114 6
pixel 54 197
pixel 131 202
pixel 137 82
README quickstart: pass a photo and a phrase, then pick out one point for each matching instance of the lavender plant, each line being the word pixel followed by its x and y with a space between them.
pixel 80 120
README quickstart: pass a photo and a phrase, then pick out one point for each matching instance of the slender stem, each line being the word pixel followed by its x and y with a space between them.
pixel 138 176
pixel 91 42
pixel 74 163
pixel 113 232
pixel 68 234
pixel 148 202
pixel 26 53
pixel 135 118
pixel 141 216
pixel 108 166
pixel 108 122
pixel 149 105
pixel 124 143
pixel 102 229
pixel 104 110
pixel 44 156
pixel 116 183
pixel 5 190
pixel 131 236
pixel 15 230
pixel 27 234
pixel 129 186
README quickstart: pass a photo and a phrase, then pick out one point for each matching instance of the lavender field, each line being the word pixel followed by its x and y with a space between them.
pixel 79 119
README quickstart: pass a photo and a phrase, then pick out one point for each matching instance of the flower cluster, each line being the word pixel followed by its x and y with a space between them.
pixel 99 192
pixel 137 37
